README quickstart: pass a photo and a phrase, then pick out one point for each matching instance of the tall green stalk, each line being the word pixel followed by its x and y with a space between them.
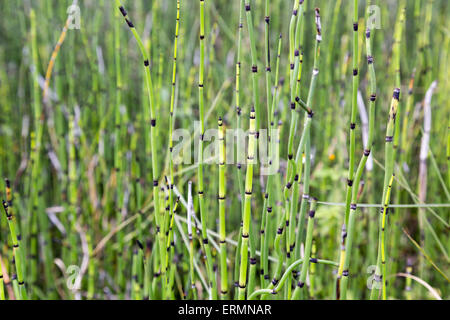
pixel 16 252
pixel 203 213
pixel 247 205
pixel 388 173
pixel 361 166
pixel 222 224
pixel 153 123
pixel 351 166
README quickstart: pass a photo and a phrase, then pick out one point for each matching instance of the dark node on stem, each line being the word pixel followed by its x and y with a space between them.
pixel 366 153
pixel 140 245
pixel 202 37
pixel 313 260
pixel 296 178
pixel 355 72
pixel 373 97
pixel 280 231
pixel 8 183
pixel 369 59
pixel 350 183
pixel 353 206
pixel 242 286
pixel 289 185
pixel 294 13
pixel 130 24
pixel 266 277
pixel 155 183
pixel 153 123
pixel 247 7
pixel 352 126
pixel 389 138
pixel 245 236
pixel 292 66
pixel 368 33
pixel 396 94
pixel 267 19
pixel 123 11
pixel 296 53
pixel 253 261
pixel 312 213
pixel 146 63
pixel 292 106
pixel 355 26
pixel 300 284
pixel 205 241
pixel 345 273
pixel 269 209
pixel 254 69
pixel 274 282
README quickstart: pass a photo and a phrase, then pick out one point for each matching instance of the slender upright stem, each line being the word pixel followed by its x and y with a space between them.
pixel 153 123
pixel 203 213
pixel 351 166
pixel 222 204
pixel 389 171
pixel 247 205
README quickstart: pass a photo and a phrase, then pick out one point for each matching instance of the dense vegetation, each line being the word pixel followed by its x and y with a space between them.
pixel 337 187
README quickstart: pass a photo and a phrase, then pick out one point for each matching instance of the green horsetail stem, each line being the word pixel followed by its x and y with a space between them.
pixel 351 166
pixel 17 254
pixel 222 221
pixel 295 74
pixel 304 146
pixel 388 173
pixel 362 163
pixel 118 156
pixel 247 205
pixel 201 195
pixel 254 59
pixel 153 123
pixel 268 207
pixel 383 236
pixel 171 116
pixel 239 109
pixel 308 245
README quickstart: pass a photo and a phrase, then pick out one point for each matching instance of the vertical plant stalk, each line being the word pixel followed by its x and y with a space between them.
pixel 190 214
pixel 118 156
pixel 254 65
pixel 171 115
pixel 308 246
pixel 359 172
pixel 389 171
pixel 222 205
pixel 238 107
pixel 383 235
pixel 240 180
pixel 269 194
pixel 17 254
pixel 247 205
pixel 153 123
pixel 304 147
pixel 203 213
pixel 351 167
